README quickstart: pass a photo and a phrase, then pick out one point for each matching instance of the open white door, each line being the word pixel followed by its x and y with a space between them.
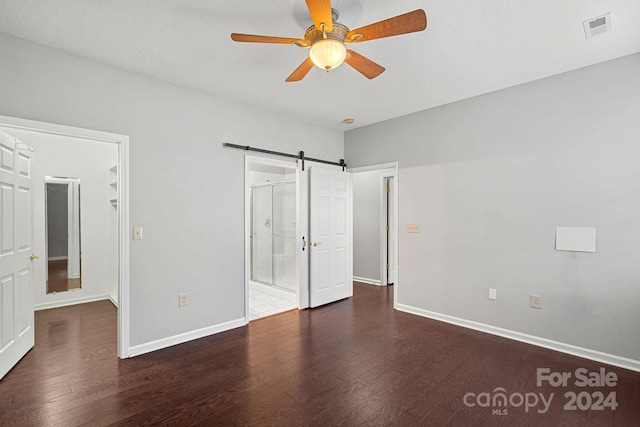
pixel 16 242
pixel 331 242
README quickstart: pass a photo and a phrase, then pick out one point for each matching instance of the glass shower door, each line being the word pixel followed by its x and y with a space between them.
pixel 284 236
pixel 261 235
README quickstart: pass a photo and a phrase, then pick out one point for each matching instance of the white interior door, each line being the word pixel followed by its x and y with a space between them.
pixel 331 239
pixel 16 242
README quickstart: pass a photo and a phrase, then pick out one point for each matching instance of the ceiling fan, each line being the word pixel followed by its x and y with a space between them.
pixel 326 39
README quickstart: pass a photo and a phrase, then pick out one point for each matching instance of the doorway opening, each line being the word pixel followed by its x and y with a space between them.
pixel 116 186
pixel 271 252
pixel 375 227
pixel 320 254
pixel 387 222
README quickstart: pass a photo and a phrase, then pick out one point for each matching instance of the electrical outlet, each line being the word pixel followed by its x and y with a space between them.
pixel 137 233
pixel 182 300
pixel 413 228
pixel 535 301
pixel 492 294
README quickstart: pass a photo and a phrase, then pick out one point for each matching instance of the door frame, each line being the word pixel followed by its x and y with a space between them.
pixel 385 208
pixel 387 170
pixel 122 142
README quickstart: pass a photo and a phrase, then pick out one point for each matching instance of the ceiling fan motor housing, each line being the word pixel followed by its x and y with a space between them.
pixel 338 32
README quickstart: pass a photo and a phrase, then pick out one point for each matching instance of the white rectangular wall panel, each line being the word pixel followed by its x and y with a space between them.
pixel 577 239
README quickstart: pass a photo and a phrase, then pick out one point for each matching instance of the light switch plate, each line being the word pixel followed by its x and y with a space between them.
pixel 492 293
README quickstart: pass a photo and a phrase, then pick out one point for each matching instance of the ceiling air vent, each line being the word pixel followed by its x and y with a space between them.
pixel 599 25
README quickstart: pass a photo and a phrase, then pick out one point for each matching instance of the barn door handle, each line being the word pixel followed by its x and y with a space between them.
pixel 304 243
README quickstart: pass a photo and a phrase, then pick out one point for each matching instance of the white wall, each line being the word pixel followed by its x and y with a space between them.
pixel 488 179
pixel 367 188
pixel 90 161
pixel 186 190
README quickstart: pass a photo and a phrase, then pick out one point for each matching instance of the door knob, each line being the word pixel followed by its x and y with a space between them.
pixel 317 243
pixel 34 256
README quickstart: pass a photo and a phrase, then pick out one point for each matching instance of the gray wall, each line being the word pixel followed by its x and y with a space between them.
pixel 57 220
pixel 186 190
pixel 366 225
pixel 489 179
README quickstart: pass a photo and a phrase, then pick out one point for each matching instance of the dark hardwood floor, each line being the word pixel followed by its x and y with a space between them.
pixel 356 362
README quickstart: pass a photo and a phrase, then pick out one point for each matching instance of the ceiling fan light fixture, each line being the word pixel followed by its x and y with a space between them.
pixel 327 43
pixel 328 53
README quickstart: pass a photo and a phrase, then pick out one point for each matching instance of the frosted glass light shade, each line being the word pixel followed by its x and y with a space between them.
pixel 328 54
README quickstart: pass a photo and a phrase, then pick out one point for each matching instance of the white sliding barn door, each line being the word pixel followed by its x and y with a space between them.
pixel 331 269
pixel 16 242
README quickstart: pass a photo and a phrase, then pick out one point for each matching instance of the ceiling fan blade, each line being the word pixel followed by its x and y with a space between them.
pixel 320 11
pixel 401 24
pixel 363 65
pixel 266 39
pixel 302 70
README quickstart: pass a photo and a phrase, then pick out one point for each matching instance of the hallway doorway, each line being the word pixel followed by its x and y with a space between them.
pixel 115 184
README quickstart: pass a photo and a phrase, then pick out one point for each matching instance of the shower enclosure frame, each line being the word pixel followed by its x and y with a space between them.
pixel 302 203
pixel 282 251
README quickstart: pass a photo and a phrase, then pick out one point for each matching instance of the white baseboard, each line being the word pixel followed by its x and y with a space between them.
pixel 64 303
pixel 57 258
pixel 368 281
pixel 113 302
pixel 137 350
pixel 598 356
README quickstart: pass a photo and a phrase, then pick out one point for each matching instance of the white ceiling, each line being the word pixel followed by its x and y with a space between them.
pixel 469 48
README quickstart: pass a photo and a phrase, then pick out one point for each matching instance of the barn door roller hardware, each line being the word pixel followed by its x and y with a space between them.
pixel 300 155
